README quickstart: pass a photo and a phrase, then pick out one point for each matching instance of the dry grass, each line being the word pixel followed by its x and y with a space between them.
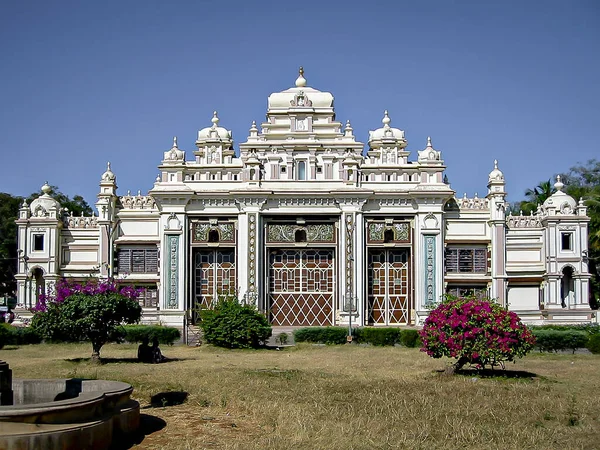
pixel 344 397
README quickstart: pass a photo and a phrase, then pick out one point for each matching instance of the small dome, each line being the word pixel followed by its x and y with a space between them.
pixel 174 154
pixel 215 132
pixel 564 203
pixel 42 205
pixel 429 154
pixel 108 175
pixel 496 174
pixel 386 132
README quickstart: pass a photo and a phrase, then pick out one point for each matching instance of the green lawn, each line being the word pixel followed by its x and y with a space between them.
pixel 341 397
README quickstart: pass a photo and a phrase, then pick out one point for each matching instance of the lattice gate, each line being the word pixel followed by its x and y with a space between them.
pixel 301 287
pixel 388 287
pixel 214 275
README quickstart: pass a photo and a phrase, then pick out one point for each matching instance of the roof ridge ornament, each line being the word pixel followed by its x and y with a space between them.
pixel 300 81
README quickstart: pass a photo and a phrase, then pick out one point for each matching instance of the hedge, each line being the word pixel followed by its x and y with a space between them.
pixel 137 333
pixel 593 344
pixel 12 335
pixel 410 338
pixel 377 336
pixel 322 335
pixel 590 328
pixel 553 340
pixel 365 335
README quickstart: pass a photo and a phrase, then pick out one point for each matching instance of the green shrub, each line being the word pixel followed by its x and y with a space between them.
pixel 231 324
pixel 137 333
pixel 377 336
pixel 283 338
pixel 322 335
pixel 593 344
pixel 410 338
pixel 4 335
pixel 553 340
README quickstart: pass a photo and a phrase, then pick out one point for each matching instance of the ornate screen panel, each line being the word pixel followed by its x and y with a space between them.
pixel 214 276
pixel 301 287
pixel 389 288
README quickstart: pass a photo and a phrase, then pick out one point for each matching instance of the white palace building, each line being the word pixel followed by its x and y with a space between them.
pixel 309 227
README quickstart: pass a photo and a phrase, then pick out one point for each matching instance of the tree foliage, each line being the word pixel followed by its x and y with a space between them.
pixel 90 311
pixel 9 212
pixel 475 331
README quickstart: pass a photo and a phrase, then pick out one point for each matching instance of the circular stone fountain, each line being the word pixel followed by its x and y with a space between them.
pixel 64 413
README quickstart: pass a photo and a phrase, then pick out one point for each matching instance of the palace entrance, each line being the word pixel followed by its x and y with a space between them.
pixel 214 275
pixel 389 286
pixel 301 287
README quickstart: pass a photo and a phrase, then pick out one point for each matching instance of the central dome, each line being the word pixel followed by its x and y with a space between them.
pixel 300 96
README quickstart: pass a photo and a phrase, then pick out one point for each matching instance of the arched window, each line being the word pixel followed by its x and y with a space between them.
pixel 213 236
pixel 302 170
pixel 388 236
pixel 300 235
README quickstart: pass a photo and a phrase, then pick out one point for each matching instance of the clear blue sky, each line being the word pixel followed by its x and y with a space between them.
pixel 85 82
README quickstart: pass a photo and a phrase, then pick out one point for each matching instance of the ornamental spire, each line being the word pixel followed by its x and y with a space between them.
pixel 559 184
pixel 215 120
pixel 386 119
pixel 300 81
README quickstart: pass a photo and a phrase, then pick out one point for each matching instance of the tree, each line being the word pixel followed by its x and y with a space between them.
pixel 535 197
pixel 9 211
pixel 475 331
pixel 91 311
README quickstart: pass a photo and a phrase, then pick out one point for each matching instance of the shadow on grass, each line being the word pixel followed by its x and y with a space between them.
pixel 121 360
pixel 164 399
pixel 495 373
pixel 148 425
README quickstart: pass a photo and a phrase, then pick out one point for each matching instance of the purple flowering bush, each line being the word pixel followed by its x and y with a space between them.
pixel 86 311
pixel 475 331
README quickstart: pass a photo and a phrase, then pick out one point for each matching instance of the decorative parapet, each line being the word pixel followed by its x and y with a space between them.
pixel 521 221
pixel 80 221
pixel 138 201
pixel 472 203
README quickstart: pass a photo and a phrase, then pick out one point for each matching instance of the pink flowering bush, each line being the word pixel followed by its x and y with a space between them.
pixel 86 311
pixel 475 331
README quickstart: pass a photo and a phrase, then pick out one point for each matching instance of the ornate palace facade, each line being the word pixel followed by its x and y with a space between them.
pixel 303 223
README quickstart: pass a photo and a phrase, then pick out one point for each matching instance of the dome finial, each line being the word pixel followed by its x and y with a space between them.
pixel 46 189
pixel 215 119
pixel 175 142
pixel 300 81
pixel 559 184
pixel 429 144
pixel 496 164
pixel 386 119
